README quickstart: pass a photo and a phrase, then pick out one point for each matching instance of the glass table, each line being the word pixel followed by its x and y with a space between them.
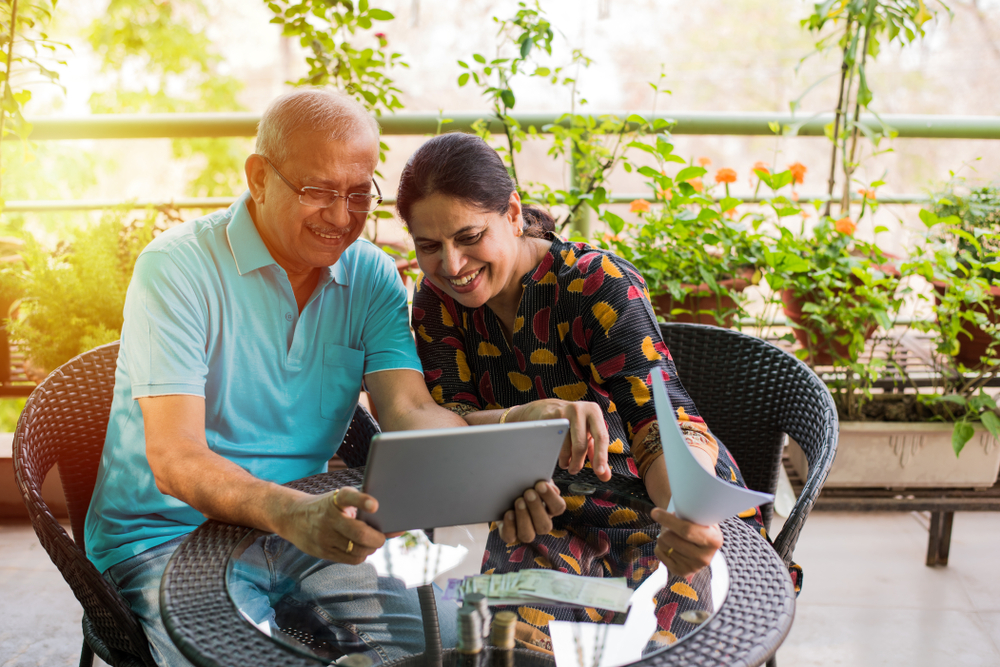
pixel 233 595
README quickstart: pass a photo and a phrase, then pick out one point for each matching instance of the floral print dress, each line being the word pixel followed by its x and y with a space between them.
pixel 584 330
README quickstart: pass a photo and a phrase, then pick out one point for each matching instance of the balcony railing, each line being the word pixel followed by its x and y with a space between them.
pixel 177 126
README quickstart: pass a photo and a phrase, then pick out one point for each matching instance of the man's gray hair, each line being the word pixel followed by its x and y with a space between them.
pixel 312 110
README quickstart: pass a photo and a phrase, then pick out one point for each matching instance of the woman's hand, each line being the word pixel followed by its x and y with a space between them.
pixel 685 547
pixel 327 526
pixel 587 437
pixel 532 513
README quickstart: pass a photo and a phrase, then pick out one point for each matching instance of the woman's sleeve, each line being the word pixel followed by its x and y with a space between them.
pixel 441 346
pixel 625 347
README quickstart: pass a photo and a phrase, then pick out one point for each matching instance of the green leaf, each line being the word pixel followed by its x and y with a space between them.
pixel 929 218
pixel 962 433
pixel 507 95
pixel 478 58
pixel 614 222
pixel 688 173
pixel 526 45
pixel 952 398
pixel 992 423
pixel 649 172
pixel 463 79
pixel 380 15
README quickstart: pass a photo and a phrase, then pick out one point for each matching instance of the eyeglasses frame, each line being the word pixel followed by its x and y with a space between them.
pixel 301 192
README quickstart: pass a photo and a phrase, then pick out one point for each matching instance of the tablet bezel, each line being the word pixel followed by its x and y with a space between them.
pixel 447 477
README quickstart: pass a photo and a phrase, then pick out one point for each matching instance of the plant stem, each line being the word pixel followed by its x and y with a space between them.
pixel 845 202
pixel 593 182
pixel 836 117
pixel 6 83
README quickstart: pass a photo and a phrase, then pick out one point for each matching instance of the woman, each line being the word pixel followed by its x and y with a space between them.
pixel 514 324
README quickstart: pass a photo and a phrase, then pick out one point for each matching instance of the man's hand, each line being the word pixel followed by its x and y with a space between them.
pixel 532 513
pixel 685 547
pixel 587 437
pixel 326 526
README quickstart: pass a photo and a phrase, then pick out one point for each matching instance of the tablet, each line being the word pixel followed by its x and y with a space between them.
pixel 449 477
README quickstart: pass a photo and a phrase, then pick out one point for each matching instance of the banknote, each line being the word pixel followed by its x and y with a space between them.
pixel 547 587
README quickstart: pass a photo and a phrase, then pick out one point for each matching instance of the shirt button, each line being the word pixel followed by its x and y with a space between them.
pixel 288 316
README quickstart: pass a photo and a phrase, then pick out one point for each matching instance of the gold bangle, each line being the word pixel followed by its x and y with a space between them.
pixel 503 417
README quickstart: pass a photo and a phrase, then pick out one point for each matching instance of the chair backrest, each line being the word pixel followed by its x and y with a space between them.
pixel 64 422
pixel 751 393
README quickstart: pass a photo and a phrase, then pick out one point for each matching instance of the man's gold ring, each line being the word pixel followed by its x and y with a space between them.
pixel 350 547
pixel 336 494
pixel 670 552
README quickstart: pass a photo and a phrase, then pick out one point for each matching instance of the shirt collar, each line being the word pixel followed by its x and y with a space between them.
pixel 245 243
pixel 250 252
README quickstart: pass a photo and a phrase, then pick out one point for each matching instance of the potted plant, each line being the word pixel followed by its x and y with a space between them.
pixel 74 296
pixel 695 256
pixel 941 429
pixel 11 289
pixel 970 222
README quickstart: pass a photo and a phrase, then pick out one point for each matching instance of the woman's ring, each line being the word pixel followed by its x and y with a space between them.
pixel 670 552
pixel 350 547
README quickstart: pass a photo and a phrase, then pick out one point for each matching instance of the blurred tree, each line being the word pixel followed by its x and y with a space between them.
pixel 28 57
pixel 161 60
pixel 329 30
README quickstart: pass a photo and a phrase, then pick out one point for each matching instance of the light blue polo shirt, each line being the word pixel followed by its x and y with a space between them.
pixel 210 313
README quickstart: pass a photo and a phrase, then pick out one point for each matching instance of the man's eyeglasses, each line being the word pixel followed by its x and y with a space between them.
pixel 357 202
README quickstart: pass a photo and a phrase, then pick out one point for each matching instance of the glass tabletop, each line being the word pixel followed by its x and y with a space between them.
pixel 357 615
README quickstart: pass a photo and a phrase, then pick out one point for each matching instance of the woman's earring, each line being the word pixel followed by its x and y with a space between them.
pixel 519 232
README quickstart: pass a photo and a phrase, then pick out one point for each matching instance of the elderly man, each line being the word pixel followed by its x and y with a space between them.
pixel 247 334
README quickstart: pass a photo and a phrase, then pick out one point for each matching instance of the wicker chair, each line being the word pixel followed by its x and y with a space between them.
pixel 64 422
pixel 751 394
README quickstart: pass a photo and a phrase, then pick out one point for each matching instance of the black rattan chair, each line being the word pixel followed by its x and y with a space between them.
pixel 751 394
pixel 64 422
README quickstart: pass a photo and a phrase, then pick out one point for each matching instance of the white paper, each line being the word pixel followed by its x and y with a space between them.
pixel 696 494
pixel 624 644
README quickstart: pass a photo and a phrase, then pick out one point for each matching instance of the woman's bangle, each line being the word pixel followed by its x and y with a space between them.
pixel 503 417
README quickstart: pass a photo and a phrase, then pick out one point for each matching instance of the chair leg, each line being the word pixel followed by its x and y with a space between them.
pixel 86 655
pixel 939 538
pixel 773 662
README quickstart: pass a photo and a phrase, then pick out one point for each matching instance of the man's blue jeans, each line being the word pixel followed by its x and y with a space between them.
pixel 349 606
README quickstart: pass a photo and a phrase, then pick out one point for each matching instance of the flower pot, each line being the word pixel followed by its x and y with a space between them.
pixel 901 454
pixel 974 343
pixel 823 350
pixel 700 299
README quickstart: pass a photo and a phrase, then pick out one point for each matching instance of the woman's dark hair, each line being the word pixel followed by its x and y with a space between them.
pixel 464 166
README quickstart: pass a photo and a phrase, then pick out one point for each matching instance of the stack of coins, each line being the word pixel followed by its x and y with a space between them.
pixel 470 630
pixel 478 602
pixel 502 635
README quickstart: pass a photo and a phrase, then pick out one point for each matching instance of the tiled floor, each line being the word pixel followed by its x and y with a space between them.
pixel 869 601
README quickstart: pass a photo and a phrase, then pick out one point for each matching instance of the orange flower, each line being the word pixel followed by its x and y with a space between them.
pixel 798 171
pixel 666 195
pixel 725 176
pixel 639 206
pixel 845 226
pixel 867 194
pixel 795 196
pixel 704 161
pixel 762 166
pixel 697 184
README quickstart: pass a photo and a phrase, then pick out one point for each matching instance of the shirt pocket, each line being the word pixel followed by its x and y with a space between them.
pixel 343 369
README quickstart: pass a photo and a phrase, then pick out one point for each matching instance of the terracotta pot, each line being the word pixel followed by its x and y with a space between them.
pixel 823 350
pixel 701 298
pixel 973 346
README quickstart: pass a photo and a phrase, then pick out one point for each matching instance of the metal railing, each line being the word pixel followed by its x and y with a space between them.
pixel 199 125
